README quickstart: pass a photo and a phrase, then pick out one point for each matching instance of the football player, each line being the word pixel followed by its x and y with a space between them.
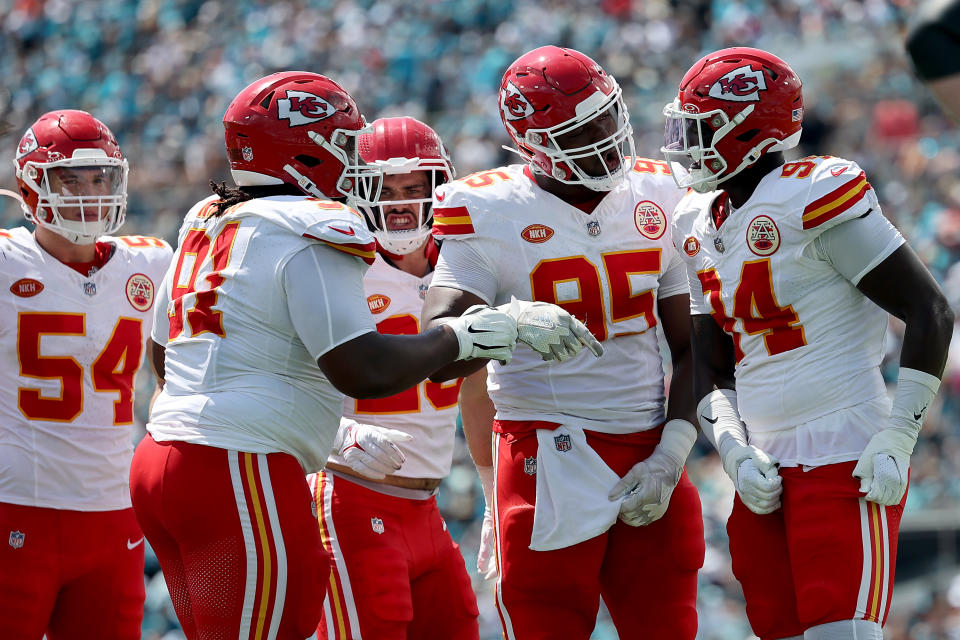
pixel 262 326
pixel 397 574
pixel 793 269
pixel 589 496
pixel 77 308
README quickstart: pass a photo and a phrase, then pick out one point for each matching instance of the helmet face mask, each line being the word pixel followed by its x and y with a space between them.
pixel 72 177
pixel 567 118
pixel 413 162
pixel 734 106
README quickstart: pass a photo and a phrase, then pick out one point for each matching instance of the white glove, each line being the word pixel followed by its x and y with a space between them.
pixel 754 474
pixel 370 450
pixel 550 331
pixel 884 463
pixel 486 557
pixel 647 487
pixel 753 471
pixel 484 332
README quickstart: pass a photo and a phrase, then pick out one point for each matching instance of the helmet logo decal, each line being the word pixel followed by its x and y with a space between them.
pixel 763 237
pixel 514 104
pixel 743 84
pixel 27 144
pixel 300 108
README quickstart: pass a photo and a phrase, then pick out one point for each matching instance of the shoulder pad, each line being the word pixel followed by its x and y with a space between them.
pixel 455 203
pixel 839 190
pixel 331 223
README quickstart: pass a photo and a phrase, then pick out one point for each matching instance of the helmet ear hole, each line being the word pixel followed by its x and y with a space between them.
pixel 308 161
pixel 748 135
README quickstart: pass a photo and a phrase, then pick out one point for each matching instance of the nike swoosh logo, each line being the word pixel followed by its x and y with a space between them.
pixel 714 421
pixel 134 545
pixel 348 232
pixel 439 197
pixel 838 170
pixel 917 416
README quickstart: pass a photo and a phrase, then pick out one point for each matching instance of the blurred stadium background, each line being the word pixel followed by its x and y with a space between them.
pixel 161 72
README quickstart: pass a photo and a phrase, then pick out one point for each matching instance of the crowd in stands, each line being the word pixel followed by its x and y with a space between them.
pixel 161 72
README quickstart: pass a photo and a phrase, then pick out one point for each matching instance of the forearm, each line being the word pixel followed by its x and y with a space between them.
pixel 681 403
pixel 476 414
pixel 393 363
pixel 926 339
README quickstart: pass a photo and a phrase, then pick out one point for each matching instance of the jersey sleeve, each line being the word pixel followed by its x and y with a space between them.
pixel 855 247
pixel 325 298
pixel 673 282
pixel 698 305
pixel 839 191
pixel 469 254
pixel 161 321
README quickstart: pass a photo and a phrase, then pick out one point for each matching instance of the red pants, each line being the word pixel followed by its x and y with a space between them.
pixel 647 576
pixel 397 574
pixel 71 574
pixel 826 555
pixel 236 537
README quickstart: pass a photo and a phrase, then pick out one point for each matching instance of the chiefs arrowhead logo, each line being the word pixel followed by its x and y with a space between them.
pixel 537 233
pixel 300 107
pixel 140 292
pixel 514 104
pixel 28 143
pixel 378 303
pixel 743 84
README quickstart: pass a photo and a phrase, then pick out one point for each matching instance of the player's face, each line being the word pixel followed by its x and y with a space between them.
pixel 84 182
pixel 397 188
pixel 589 133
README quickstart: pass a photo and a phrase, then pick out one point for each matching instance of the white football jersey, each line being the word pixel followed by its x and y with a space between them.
pixel 427 411
pixel 71 348
pixel 607 268
pixel 807 342
pixel 237 375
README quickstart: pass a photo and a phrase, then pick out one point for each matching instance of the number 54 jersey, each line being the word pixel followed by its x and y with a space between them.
pixel 71 347
pixel 808 344
pixel 505 236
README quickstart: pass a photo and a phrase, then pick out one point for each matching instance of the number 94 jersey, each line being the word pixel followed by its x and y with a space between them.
pixel 505 236
pixel 806 341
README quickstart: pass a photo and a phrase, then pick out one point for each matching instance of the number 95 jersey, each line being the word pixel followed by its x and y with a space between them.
pixel 806 341
pixel 71 347
pixel 505 236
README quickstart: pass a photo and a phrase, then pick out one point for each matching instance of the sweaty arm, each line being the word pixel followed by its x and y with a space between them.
pixel 673 307
pixel 476 413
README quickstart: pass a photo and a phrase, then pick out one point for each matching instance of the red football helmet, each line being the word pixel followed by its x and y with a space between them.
pixel 403 146
pixel 734 106
pixel 71 176
pixel 299 128
pixel 550 92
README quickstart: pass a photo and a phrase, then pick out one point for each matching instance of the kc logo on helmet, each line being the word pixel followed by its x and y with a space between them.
pixel 300 107
pixel 514 104
pixel 743 84
pixel 27 144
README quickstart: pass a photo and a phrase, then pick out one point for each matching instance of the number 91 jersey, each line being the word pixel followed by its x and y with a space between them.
pixel 806 341
pixel 505 236
pixel 71 346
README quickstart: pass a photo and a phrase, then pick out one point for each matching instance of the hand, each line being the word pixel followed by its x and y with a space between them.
pixel 550 331
pixel 369 450
pixel 883 465
pixel 647 487
pixel 486 557
pixel 484 332
pixel 754 474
